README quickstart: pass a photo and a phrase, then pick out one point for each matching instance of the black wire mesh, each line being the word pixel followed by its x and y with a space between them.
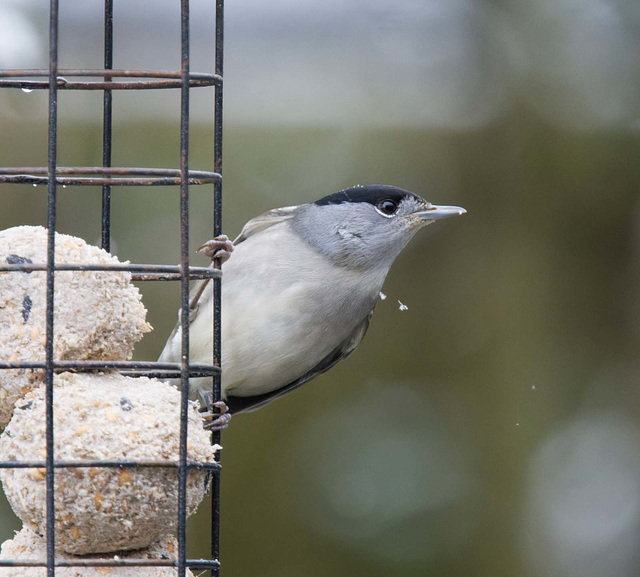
pixel 106 176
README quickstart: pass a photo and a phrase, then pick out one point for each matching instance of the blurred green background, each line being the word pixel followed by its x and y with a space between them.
pixel 493 428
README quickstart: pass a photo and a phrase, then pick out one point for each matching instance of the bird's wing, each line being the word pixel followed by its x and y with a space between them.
pixel 242 404
pixel 269 218
pixel 254 226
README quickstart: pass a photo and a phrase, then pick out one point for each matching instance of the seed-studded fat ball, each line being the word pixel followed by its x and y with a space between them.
pixel 28 545
pixel 98 315
pixel 104 417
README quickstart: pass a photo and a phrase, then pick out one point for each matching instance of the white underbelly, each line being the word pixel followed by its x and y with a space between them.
pixel 274 341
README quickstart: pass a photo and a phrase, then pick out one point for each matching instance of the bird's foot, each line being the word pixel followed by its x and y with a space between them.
pixel 217 414
pixel 218 249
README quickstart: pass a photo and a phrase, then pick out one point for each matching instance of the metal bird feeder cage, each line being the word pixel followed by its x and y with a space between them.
pixel 109 80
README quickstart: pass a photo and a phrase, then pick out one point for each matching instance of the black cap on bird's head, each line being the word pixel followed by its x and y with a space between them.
pixel 387 200
pixel 371 193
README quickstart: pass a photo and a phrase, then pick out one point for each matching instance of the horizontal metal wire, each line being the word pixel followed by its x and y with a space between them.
pixel 167 79
pixel 148 271
pixel 112 176
pixel 169 370
pixel 114 562
pixel 81 464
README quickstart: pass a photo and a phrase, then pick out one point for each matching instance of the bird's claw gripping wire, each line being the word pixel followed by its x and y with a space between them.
pixel 217 413
pixel 218 249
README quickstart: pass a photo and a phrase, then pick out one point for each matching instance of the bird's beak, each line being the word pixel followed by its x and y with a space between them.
pixel 433 212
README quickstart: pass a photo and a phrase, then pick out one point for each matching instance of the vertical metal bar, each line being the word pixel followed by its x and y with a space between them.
pixel 184 286
pixel 107 115
pixel 51 239
pixel 217 285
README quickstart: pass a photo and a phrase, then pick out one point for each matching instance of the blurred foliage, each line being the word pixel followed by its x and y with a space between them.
pixel 513 310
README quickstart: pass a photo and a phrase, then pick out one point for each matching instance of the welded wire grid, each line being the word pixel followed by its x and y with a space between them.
pixel 108 80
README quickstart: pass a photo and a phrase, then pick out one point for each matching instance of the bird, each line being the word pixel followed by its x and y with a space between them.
pixel 299 286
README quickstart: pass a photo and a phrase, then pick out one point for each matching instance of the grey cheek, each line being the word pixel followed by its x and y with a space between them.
pixel 346 234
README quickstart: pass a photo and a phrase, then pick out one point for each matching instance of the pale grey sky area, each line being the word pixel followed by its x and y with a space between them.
pixel 453 64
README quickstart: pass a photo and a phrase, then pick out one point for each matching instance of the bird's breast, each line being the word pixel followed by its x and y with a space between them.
pixel 285 308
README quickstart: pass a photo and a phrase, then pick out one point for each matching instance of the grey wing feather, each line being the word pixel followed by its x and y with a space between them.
pixel 269 218
pixel 242 404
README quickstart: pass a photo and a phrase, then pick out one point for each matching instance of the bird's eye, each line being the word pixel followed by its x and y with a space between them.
pixel 388 207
